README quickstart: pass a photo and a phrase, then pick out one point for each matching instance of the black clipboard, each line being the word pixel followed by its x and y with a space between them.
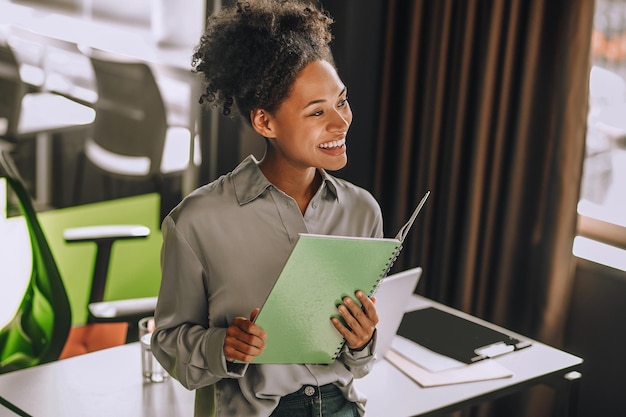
pixel 456 337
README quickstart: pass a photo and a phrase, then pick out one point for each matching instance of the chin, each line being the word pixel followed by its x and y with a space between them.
pixel 336 166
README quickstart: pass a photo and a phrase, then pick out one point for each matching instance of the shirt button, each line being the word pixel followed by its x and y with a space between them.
pixel 309 391
pixel 314 205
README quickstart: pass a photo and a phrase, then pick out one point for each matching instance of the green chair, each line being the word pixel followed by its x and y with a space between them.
pixel 38 332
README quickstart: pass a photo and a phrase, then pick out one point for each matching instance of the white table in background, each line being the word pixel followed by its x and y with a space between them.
pixel 133 41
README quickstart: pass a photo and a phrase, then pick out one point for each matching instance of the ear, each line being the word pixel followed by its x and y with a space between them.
pixel 260 121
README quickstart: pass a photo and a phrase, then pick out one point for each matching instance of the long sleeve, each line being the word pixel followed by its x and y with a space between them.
pixel 223 247
pixel 190 350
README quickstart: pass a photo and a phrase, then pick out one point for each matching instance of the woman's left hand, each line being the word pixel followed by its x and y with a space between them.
pixel 361 321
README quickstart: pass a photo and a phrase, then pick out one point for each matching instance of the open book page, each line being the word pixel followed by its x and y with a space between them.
pixel 407 226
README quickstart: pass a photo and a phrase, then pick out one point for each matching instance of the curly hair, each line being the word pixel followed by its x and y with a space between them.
pixel 251 53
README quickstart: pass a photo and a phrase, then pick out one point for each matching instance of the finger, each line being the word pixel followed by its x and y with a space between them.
pixel 244 342
pixel 254 313
pixel 350 311
pixel 240 353
pixel 353 331
pixel 353 340
pixel 248 336
pixel 249 327
pixel 368 306
pixel 356 321
pixel 245 345
pixel 343 330
pixel 361 327
pixel 358 313
pixel 241 345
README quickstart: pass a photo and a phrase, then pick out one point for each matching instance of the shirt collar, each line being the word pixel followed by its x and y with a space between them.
pixel 331 186
pixel 250 183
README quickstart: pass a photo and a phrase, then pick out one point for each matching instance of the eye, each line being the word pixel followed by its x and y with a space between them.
pixel 343 102
pixel 317 113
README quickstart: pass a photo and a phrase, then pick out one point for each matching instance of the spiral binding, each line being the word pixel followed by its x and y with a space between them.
pixel 388 267
pixel 338 351
pixel 400 237
pixel 384 273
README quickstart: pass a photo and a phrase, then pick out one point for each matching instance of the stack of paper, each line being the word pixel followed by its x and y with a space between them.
pixel 430 369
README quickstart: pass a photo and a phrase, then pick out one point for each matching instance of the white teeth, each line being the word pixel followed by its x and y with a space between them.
pixel 333 144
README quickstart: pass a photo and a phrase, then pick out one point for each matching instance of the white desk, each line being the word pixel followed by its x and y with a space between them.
pixel 391 393
pixel 104 383
pixel 131 41
pixel 108 383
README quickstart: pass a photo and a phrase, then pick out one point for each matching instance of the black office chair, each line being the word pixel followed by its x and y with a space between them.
pixel 131 139
pixel 38 332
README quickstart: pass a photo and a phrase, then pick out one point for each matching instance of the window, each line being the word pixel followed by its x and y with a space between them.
pixel 602 205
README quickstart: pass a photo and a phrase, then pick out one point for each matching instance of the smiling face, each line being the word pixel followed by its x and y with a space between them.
pixel 308 130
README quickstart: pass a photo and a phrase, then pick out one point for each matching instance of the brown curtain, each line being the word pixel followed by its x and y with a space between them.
pixel 484 104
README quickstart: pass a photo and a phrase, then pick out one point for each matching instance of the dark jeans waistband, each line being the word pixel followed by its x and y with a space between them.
pixel 306 402
pixel 308 391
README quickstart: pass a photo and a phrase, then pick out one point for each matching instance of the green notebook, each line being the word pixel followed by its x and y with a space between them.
pixel 320 271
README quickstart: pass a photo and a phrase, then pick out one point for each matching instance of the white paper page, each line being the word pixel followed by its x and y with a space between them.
pixel 479 371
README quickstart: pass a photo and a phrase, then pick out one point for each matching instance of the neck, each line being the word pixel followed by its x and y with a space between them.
pixel 299 184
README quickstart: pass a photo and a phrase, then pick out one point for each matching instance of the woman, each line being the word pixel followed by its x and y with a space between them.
pixel 225 243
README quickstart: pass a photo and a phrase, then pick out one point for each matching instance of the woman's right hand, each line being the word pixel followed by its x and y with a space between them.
pixel 244 339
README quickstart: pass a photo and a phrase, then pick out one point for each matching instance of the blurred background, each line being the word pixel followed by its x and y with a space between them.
pixel 131 63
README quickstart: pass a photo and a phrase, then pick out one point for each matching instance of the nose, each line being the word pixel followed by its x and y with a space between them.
pixel 340 120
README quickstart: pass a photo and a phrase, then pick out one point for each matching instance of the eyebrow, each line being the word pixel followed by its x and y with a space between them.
pixel 342 92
